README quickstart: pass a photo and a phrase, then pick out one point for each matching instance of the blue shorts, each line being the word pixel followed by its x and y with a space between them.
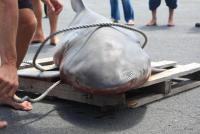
pixel 25 4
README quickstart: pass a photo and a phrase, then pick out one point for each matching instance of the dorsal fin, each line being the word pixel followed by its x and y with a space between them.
pixel 77 5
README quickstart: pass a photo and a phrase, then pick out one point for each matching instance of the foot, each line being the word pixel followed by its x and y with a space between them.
pixel 54 41
pixel 170 23
pixel 24 106
pixel 152 23
pixel 131 23
pixel 38 38
pixel 114 21
pixel 3 124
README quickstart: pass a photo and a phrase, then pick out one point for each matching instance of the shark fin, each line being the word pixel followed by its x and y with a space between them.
pixel 78 5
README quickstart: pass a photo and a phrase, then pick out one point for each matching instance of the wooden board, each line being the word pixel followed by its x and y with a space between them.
pixel 43 61
pixel 163 64
pixel 64 91
pixel 176 79
pixel 146 98
pixel 173 73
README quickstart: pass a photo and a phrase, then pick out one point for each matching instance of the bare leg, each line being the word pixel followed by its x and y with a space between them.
pixel 28 21
pixel 25 106
pixel 153 21
pixel 171 17
pixel 39 34
pixel 8 30
pixel 53 20
pixel 24 36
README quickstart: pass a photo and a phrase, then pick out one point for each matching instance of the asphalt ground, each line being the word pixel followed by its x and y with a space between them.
pixel 179 114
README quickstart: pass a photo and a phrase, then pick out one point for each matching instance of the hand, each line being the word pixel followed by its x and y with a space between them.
pixel 54 6
pixel 8 80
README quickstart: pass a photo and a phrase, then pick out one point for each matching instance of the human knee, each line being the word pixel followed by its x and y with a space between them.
pixel 172 4
pixel 29 24
pixel 32 24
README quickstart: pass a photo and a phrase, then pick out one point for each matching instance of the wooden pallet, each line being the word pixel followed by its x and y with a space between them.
pixel 176 79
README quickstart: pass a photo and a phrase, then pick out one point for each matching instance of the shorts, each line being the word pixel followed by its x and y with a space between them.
pixel 25 4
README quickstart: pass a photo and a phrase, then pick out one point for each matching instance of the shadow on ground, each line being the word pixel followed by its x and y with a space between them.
pixel 81 116
pixel 92 118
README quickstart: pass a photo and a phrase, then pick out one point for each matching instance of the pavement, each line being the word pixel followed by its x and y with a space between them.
pixel 179 114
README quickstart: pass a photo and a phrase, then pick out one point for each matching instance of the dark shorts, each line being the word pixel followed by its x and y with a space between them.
pixel 25 4
pixel 154 4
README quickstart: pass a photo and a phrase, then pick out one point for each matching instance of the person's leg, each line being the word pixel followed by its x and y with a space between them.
pixel 8 27
pixel 39 34
pixel 25 31
pixel 172 4
pixel 26 28
pixel 153 5
pixel 24 106
pixel 171 17
pixel 53 20
pixel 115 14
pixel 128 12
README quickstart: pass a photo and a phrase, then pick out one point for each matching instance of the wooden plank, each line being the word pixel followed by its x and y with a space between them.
pixel 34 73
pixel 146 99
pixel 50 76
pixel 142 100
pixel 64 91
pixel 43 61
pixel 184 88
pixel 172 73
pixel 163 64
pixel 161 81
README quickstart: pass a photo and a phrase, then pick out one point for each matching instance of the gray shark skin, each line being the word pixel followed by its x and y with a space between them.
pixel 107 60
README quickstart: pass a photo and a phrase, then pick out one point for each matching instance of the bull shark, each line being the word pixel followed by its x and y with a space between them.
pixel 104 60
pixel 100 60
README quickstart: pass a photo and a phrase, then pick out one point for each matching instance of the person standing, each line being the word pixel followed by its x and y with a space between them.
pixel 39 36
pixel 16 32
pixel 154 4
pixel 128 11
